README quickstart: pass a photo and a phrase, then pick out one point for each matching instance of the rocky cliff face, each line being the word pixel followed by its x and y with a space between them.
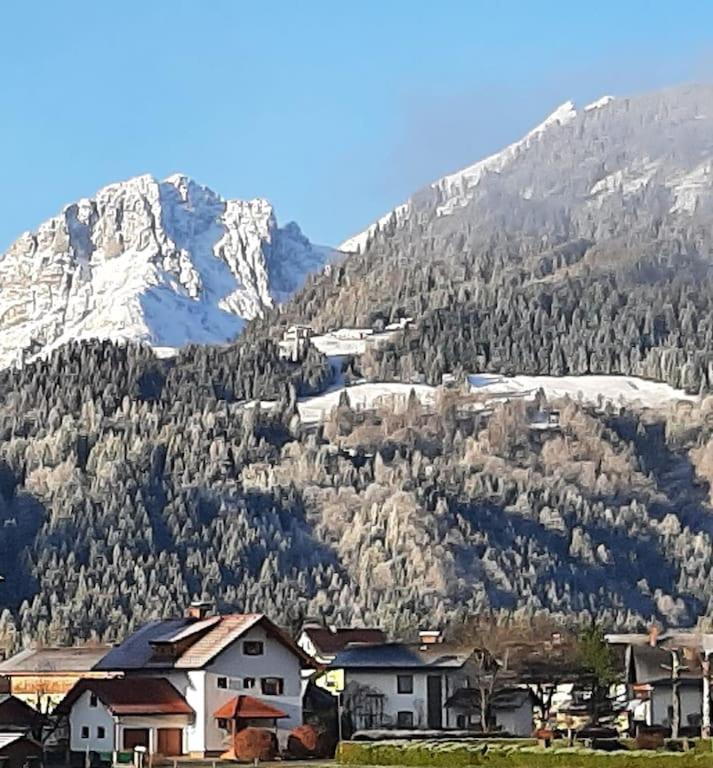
pixel 165 262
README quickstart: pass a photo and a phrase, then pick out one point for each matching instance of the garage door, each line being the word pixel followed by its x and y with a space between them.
pixel 170 742
pixel 136 737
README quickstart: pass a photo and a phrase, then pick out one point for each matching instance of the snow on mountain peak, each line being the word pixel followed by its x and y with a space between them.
pixel 166 262
pixel 457 188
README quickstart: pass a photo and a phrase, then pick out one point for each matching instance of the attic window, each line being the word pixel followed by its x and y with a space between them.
pixel 253 648
pixel 93 701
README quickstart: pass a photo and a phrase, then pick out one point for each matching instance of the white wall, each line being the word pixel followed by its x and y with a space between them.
pixel 191 684
pixel 385 681
pixel 518 722
pixel 276 661
pixel 691 704
pixel 83 714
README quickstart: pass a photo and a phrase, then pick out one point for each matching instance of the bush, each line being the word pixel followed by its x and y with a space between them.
pixel 252 743
pixel 307 741
pixel 464 754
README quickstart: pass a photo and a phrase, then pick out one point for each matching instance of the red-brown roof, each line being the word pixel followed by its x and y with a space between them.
pixel 131 696
pixel 331 641
pixel 248 708
pixel 196 642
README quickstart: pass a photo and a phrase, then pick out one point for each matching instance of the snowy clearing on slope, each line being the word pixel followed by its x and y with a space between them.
pixel 362 396
pixel 628 390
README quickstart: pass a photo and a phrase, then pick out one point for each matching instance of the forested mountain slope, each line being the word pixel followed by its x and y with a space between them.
pixel 129 485
pixel 584 248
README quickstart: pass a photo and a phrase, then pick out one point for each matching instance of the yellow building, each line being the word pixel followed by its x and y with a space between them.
pixel 324 643
pixel 41 677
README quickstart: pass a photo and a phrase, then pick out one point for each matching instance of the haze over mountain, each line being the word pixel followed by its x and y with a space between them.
pixel 583 248
pixel 165 262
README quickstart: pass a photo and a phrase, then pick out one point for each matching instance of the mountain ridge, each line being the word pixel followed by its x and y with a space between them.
pixel 165 262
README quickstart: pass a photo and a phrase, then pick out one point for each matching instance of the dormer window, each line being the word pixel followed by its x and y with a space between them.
pixel 93 701
pixel 253 648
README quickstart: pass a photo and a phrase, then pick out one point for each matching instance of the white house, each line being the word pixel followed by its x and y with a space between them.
pixel 409 686
pixel 238 663
pixel 108 716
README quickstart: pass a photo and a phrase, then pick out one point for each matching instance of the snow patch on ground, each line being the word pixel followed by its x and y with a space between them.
pixel 628 390
pixel 313 410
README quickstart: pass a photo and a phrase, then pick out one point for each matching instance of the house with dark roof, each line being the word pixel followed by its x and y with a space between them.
pixel 664 673
pixel 18 750
pixel 323 643
pixel 410 686
pixel 238 663
pixel 42 676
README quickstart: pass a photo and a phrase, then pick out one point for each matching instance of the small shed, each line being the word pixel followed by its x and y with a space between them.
pixel 18 750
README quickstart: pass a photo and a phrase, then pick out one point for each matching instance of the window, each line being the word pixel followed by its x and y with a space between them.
pixel 85 731
pixel 253 648
pixel 93 701
pixel 101 732
pixel 404 683
pixel 222 682
pixel 223 724
pixel 461 722
pixel 404 719
pixel 272 686
pixel 248 682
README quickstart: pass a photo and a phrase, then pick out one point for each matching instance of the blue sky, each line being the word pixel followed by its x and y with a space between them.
pixel 335 111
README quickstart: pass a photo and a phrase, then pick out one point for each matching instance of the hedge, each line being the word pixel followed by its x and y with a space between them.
pixel 456 754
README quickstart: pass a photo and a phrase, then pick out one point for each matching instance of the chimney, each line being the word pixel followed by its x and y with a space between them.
pixel 199 609
pixel 430 636
pixel 653 636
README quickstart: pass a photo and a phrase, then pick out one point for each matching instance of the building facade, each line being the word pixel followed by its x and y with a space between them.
pixel 213 660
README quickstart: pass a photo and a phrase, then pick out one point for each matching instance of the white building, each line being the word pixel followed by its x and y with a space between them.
pixel 242 663
pixel 413 686
pixel 108 716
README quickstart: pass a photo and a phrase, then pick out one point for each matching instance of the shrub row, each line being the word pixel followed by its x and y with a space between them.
pixel 457 754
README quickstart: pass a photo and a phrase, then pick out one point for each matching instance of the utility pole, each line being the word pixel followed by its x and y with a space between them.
pixel 706 714
pixel 675 699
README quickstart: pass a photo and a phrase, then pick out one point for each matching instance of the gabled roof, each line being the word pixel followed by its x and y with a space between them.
pixel 10 737
pixel 403 656
pixel 58 661
pixel 248 708
pixel 331 641
pixel 196 642
pixel 130 696
pixel 15 713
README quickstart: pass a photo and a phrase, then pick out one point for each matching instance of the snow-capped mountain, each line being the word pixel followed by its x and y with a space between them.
pixel 165 262
pixel 457 188
pixel 593 159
